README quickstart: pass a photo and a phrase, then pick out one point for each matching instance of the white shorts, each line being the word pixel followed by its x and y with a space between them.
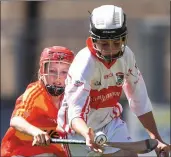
pixel 116 131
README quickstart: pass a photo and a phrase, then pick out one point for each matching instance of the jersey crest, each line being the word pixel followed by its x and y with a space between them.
pixel 119 78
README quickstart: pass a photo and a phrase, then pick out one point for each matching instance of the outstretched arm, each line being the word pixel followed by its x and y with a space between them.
pixel 79 125
pixel 22 125
pixel 22 114
pixel 149 124
pixel 140 104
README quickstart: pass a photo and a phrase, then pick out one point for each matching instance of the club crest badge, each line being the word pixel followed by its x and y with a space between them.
pixel 119 78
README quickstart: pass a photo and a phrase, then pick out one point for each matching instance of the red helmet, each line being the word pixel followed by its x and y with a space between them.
pixel 55 53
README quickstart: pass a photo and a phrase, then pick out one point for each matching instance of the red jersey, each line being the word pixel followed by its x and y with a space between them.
pixel 36 106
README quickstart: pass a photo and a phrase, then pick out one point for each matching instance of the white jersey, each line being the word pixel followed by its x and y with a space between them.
pixel 93 89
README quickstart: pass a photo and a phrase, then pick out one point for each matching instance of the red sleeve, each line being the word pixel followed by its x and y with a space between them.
pixel 25 106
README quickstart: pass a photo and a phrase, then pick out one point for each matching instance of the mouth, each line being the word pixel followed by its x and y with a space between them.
pixel 110 53
pixel 57 84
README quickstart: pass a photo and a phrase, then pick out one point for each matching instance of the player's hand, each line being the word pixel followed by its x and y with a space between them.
pixel 41 138
pixel 90 141
pixel 162 149
pixel 60 131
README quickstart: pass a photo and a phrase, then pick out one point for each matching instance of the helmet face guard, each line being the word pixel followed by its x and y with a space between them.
pixel 114 50
pixel 54 90
pixel 108 22
pixel 59 55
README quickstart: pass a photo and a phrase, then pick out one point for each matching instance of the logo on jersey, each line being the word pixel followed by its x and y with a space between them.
pixel 104 97
pixel 97 83
pixel 108 75
pixel 135 73
pixel 78 83
pixel 129 138
pixel 119 78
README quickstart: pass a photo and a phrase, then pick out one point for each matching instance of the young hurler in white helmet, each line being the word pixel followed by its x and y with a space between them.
pixel 95 81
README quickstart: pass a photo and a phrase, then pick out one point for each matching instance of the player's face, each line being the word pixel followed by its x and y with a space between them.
pixel 108 47
pixel 57 73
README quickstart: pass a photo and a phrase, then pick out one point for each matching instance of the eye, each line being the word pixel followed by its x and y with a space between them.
pixel 104 44
pixel 64 72
pixel 52 71
pixel 117 41
pixel 117 44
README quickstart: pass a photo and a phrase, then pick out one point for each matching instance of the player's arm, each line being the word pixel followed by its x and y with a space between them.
pixel 23 112
pixel 22 125
pixel 77 93
pixel 77 96
pixel 135 88
pixel 147 120
pixel 79 125
pixel 140 104
pixel 149 124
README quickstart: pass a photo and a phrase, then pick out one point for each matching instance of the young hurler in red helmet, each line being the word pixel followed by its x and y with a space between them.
pixel 33 120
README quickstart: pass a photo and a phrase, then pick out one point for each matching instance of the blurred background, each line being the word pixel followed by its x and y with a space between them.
pixel 27 27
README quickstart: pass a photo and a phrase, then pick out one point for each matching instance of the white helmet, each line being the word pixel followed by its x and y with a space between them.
pixel 108 22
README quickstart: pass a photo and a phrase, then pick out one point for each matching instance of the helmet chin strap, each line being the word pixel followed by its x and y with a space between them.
pixel 109 58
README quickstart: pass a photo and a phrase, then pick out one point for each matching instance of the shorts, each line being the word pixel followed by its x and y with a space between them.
pixel 116 131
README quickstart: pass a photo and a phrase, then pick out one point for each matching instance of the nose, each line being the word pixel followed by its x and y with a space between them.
pixel 58 81
pixel 114 45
